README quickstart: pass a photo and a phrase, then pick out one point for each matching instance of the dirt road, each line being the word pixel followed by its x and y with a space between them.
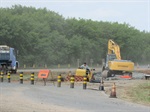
pixel 15 97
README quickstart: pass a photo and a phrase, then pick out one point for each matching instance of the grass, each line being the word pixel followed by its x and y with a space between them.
pixel 140 93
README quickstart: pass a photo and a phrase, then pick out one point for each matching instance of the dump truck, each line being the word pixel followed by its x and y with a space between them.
pixel 113 64
pixel 8 59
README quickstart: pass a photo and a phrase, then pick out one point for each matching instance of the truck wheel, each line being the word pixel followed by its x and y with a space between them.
pixel 14 71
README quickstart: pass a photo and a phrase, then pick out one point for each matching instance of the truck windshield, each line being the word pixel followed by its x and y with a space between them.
pixel 4 49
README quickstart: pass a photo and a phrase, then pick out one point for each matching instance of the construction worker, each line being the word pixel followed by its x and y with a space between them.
pixel 84 66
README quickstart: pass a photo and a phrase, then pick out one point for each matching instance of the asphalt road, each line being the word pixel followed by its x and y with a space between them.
pixel 15 97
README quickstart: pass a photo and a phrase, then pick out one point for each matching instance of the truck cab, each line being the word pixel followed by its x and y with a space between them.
pixel 8 58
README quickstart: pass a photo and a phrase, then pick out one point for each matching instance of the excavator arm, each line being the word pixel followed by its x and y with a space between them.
pixel 113 48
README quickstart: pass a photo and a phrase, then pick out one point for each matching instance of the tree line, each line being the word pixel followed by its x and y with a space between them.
pixel 45 37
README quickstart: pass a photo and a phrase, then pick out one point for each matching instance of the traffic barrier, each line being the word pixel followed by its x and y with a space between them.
pixel 58 65
pixel 72 81
pixel 2 74
pixel 68 65
pixel 76 78
pixel 113 91
pixel 84 82
pixel 32 78
pixel 21 77
pixel 8 76
pixel 24 66
pixel 33 66
pixel 59 80
pixel 101 87
pixel 43 74
pixel 45 66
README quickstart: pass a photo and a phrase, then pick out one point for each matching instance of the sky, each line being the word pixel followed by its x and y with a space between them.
pixel 136 13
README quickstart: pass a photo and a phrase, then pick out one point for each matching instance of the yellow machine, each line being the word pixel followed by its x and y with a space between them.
pixel 84 72
pixel 114 64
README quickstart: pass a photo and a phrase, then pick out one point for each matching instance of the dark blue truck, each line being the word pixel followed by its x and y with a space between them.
pixel 8 59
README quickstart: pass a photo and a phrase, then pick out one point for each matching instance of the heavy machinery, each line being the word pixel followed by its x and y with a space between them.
pixel 8 60
pixel 114 64
pixel 80 73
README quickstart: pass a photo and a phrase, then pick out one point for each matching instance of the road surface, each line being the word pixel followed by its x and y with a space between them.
pixel 15 97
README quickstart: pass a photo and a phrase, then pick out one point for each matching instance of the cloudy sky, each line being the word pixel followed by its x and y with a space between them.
pixel 134 12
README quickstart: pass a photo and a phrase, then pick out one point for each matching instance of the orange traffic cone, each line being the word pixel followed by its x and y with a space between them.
pixel 113 91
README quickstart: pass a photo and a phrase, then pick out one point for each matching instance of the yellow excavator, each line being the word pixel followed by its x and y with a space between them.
pixel 113 64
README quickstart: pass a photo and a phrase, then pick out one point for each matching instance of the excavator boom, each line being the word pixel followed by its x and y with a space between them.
pixel 113 48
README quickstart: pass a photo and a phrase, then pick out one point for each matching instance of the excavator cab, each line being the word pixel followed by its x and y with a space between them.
pixel 111 57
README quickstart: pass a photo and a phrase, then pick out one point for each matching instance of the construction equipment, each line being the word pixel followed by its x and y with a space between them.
pixel 84 72
pixel 81 73
pixel 8 60
pixel 114 64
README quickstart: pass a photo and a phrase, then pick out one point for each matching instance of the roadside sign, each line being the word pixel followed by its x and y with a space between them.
pixel 43 74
